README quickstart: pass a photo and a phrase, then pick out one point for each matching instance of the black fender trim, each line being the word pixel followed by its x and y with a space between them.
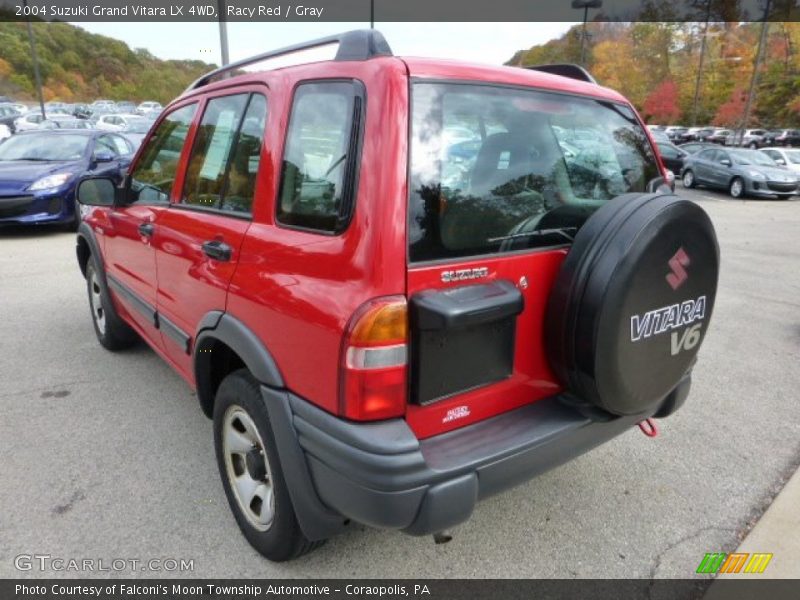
pixel 316 521
pixel 223 327
pixel 86 234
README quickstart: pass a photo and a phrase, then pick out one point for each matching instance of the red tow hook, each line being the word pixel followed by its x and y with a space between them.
pixel 648 427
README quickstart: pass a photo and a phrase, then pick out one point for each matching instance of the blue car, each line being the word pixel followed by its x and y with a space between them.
pixel 39 171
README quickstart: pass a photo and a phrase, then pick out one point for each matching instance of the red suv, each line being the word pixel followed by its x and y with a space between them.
pixel 400 286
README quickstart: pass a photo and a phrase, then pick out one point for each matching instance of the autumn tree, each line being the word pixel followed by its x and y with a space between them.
pixel 731 113
pixel 661 105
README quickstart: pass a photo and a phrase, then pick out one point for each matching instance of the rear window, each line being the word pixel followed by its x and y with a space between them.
pixel 496 169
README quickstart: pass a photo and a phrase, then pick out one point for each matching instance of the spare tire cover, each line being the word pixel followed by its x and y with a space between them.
pixel 632 301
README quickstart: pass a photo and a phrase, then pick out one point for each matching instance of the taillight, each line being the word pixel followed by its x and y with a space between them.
pixel 373 362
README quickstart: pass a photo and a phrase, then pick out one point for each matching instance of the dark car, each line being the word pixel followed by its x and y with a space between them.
pixel 8 115
pixel 672 156
pixel 374 289
pixel 741 172
pixel 675 134
pixel 719 136
pixel 693 147
pixel 40 169
pixel 782 137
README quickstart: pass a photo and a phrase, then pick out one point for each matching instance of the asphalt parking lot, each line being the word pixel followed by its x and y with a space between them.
pixel 109 456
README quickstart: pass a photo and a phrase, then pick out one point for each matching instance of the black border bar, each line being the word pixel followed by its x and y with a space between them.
pixel 274 11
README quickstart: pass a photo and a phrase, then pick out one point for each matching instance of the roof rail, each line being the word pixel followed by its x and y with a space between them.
pixel 359 44
pixel 566 70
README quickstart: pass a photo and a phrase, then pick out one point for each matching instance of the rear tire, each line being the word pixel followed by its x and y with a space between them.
pixel 688 179
pixel 112 332
pixel 251 472
pixel 736 188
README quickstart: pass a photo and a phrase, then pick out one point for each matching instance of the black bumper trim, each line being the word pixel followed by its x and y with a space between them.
pixel 379 474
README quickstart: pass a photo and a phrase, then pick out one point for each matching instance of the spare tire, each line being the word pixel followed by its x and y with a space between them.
pixel 633 301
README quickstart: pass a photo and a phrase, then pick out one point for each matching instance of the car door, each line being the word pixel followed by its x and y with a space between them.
pixel 720 172
pixel 130 256
pixel 701 165
pixel 198 238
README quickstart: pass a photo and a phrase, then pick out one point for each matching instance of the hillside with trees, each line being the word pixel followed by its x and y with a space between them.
pixel 655 65
pixel 78 66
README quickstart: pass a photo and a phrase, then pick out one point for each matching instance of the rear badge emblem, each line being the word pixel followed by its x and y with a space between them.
pixel 465 274
pixel 677 264
pixel 459 412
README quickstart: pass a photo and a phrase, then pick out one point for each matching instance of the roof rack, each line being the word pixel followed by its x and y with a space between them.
pixel 566 70
pixel 359 44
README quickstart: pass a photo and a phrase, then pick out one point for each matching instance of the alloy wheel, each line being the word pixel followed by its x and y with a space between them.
pixel 96 303
pixel 247 468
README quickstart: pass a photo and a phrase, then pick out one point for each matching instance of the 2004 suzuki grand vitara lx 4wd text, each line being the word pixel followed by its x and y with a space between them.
pixel 400 285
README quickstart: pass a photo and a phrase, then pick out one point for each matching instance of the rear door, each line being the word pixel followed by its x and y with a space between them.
pixel 198 238
pixel 130 257
pixel 495 200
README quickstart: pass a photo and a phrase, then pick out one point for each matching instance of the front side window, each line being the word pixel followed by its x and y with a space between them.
pixel 320 156
pixel 495 169
pixel 707 154
pixel 212 148
pixel 154 174
pixel 224 162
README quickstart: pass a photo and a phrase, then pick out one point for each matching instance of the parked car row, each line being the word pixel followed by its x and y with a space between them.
pixel 749 138
pixel 149 109
pixel 766 172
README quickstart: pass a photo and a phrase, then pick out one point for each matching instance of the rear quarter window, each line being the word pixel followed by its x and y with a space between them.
pixel 320 157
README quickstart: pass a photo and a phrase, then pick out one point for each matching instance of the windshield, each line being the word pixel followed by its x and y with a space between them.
pixel 793 156
pixel 42 147
pixel 751 157
pixel 496 169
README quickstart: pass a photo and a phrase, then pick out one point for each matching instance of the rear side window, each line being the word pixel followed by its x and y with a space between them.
pixel 154 173
pixel 224 161
pixel 320 157
pixel 497 169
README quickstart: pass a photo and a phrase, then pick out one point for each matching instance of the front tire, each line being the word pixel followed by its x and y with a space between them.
pixel 736 188
pixel 688 179
pixel 251 472
pixel 111 331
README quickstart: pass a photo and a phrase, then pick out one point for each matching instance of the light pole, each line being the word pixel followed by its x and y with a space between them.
pixel 223 33
pixel 759 57
pixel 585 5
pixel 37 76
pixel 700 66
pixel 372 14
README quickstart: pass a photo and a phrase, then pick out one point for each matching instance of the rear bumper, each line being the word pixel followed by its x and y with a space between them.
pixel 379 474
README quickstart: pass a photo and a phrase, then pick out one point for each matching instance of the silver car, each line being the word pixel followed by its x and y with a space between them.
pixel 741 172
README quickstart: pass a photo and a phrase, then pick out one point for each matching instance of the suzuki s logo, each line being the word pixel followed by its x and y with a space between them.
pixel 678 274
pixel 464 274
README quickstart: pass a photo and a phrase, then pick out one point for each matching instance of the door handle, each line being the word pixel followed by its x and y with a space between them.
pixel 217 250
pixel 146 229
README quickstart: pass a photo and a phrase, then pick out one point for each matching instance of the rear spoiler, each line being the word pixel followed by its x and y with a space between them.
pixel 566 70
